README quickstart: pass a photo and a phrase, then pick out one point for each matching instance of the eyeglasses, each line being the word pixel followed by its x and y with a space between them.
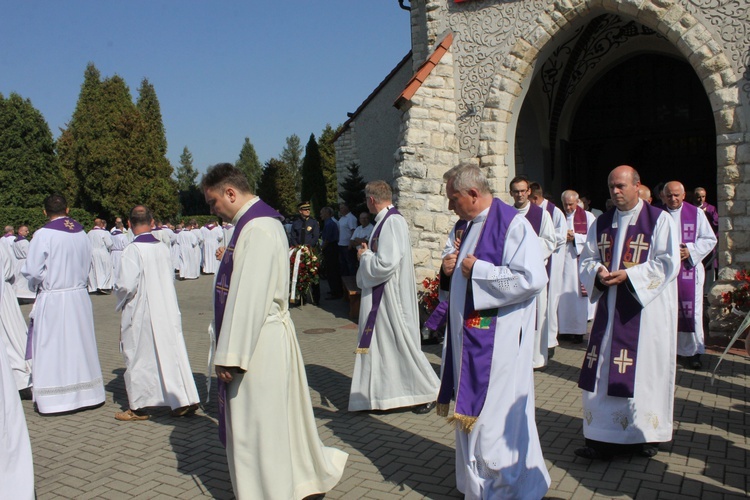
pixel 514 192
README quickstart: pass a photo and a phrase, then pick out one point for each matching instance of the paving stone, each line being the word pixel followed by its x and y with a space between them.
pixel 392 454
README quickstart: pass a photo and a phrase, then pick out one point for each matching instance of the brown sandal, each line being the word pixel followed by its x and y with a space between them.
pixel 130 415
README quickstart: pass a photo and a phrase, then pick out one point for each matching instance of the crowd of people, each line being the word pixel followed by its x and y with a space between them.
pixel 515 280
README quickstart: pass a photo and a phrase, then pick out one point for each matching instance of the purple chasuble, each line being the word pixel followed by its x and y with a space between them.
pixel 627 319
pixel 478 330
pixel 686 278
pixel 65 224
pixel 221 291
pixel 377 292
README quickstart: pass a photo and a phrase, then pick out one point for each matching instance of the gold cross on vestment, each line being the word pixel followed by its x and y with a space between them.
pixel 623 361
pixel 603 244
pixel 69 224
pixel 637 247
pixel 223 288
pixel 592 357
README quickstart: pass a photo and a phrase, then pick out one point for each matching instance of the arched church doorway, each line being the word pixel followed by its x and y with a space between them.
pixel 650 112
pixel 615 92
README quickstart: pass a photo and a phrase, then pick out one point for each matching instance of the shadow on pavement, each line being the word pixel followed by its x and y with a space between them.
pixel 402 457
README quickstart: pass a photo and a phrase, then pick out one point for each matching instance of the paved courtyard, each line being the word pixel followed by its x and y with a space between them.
pixel 391 455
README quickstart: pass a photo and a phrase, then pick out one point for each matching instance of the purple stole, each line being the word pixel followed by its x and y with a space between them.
pixel 478 331
pixel 116 232
pixel 686 278
pixel 377 292
pixel 145 238
pixel 580 226
pixel 627 320
pixel 19 238
pixel 65 224
pixel 97 227
pixel 534 216
pixel 221 291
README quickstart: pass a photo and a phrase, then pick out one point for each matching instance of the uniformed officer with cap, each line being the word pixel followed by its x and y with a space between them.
pixel 306 231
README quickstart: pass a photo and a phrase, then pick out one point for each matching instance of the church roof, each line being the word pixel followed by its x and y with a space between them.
pixel 372 95
pixel 424 71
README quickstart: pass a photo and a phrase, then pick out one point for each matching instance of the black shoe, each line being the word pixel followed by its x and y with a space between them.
pixel 550 353
pixel 695 362
pixel 425 408
pixel 648 450
pixel 591 453
pixel 577 339
pixel 25 394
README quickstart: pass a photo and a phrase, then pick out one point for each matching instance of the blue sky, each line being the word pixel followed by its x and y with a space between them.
pixel 222 70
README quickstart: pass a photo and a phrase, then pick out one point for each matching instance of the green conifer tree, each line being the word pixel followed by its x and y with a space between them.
pixel 353 190
pixel 249 163
pixel 313 181
pixel 328 162
pixel 276 187
pixel 292 156
pixel 186 174
pixel 29 170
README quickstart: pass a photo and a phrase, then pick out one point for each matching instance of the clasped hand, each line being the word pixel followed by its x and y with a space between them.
pixel 614 278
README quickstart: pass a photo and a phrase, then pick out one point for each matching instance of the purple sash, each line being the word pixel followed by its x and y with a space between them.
pixel 377 292
pixel 627 319
pixel 145 238
pixel 686 278
pixel 478 331
pixel 64 224
pixel 221 291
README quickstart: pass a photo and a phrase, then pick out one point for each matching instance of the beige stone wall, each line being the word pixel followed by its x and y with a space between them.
pixel 428 148
pixel 346 152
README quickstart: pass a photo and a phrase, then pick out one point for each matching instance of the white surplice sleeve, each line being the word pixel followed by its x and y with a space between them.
pixel 590 263
pixel 521 275
pixel 547 235
pixel 7 263
pixel 561 227
pixel 35 268
pixel 130 275
pixel 378 267
pixel 649 279
pixel 580 239
pixel 705 240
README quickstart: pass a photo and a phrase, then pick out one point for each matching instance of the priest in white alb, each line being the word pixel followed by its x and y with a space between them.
pixel 572 312
pixel 629 265
pixel 541 222
pixel 390 369
pixel 554 266
pixel 101 274
pixel 13 329
pixel 190 253
pixel 266 419
pixel 697 241
pixel 496 273
pixel 16 462
pixel 119 242
pixel 213 235
pixel 157 369
pixel 67 373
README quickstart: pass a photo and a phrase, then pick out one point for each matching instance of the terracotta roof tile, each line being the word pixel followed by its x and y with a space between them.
pixel 424 71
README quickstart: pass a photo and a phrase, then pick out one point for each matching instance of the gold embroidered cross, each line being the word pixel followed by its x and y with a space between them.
pixel 637 247
pixel 623 361
pixel 592 357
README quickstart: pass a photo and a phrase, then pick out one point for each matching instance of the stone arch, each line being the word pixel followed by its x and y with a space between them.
pixel 698 47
